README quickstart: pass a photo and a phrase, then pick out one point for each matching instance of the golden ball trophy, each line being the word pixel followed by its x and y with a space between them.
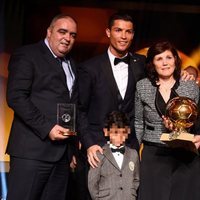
pixel 183 112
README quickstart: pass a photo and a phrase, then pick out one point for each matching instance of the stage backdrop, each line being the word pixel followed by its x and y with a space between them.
pixel 26 23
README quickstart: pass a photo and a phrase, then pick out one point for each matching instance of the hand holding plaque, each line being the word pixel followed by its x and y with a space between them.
pixel 66 116
pixel 182 112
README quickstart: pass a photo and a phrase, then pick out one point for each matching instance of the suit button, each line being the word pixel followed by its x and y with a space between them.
pixel 121 188
pixel 120 175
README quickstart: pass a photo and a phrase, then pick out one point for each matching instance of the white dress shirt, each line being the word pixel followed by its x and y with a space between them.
pixel 119 157
pixel 69 75
pixel 120 72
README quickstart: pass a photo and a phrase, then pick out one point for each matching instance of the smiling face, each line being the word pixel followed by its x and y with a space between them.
pixel 61 36
pixel 164 64
pixel 121 35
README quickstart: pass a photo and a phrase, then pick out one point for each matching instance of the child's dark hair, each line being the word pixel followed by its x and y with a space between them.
pixel 118 118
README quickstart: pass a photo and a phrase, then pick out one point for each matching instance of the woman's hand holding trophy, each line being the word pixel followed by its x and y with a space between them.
pixel 181 114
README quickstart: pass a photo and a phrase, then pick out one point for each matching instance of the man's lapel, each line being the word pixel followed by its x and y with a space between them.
pixel 53 63
pixel 107 70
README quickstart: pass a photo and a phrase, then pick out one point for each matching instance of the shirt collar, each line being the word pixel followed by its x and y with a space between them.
pixel 112 57
pixel 114 147
pixel 47 43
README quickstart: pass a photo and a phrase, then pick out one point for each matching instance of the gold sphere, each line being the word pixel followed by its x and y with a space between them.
pixel 182 111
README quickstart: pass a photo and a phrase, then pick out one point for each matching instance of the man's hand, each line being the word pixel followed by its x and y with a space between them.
pixel 73 163
pixel 185 76
pixel 92 155
pixel 57 132
pixel 197 141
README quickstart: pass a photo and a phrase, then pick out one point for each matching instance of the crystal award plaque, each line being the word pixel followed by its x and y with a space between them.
pixel 66 117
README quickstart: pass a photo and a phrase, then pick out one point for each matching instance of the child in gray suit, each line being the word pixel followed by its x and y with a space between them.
pixel 117 175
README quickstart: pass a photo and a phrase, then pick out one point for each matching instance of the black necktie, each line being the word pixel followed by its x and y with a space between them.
pixel 120 150
pixel 125 60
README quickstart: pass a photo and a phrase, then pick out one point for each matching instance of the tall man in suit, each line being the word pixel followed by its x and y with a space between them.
pixel 38 148
pixel 107 83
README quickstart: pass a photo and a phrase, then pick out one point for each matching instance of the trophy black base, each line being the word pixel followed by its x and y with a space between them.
pixel 183 140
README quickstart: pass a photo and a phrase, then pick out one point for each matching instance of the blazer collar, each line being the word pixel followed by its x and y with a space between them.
pixel 107 70
pixel 134 70
pixel 54 63
pixel 134 65
pixel 108 154
pixel 127 158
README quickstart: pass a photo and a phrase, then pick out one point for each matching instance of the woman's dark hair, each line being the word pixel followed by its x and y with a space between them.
pixel 156 49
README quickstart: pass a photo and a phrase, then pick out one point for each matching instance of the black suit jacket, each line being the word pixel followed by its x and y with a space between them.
pixel 36 83
pixel 99 95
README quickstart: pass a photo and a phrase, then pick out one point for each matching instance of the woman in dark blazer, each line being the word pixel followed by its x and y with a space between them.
pixel 166 173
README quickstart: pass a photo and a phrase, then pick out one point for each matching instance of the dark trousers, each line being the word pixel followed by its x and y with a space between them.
pixel 169 174
pixel 37 180
pixel 77 188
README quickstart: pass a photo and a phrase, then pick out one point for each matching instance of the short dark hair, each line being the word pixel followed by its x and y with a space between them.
pixel 61 16
pixel 120 119
pixel 155 49
pixel 119 15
